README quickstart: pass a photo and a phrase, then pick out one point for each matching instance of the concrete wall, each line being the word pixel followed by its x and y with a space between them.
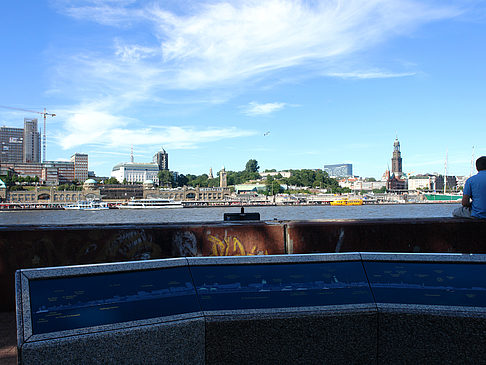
pixel 47 246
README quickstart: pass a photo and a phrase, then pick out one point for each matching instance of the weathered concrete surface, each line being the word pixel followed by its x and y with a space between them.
pixel 8 339
pixel 408 336
pixel 320 337
pixel 179 342
pixel 387 235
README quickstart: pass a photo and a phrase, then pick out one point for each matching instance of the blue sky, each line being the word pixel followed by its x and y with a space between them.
pixel 331 81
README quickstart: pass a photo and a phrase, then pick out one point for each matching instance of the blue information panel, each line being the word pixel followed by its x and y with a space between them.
pixel 228 287
pixel 428 283
pixel 85 301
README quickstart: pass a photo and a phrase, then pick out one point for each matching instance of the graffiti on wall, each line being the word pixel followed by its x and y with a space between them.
pixel 134 244
pixel 231 246
pixel 184 243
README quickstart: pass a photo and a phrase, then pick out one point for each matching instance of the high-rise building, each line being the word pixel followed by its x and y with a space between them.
pixel 397 159
pixel 339 170
pixel 80 161
pixel 161 158
pixel 11 145
pixel 32 150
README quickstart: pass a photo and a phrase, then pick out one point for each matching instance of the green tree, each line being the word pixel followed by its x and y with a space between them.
pixel 16 188
pixel 112 181
pixel 252 166
pixel 380 190
pixel 181 180
pixel 166 178
pixel 272 186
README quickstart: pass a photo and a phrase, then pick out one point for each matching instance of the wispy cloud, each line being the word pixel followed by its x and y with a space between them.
pixel 194 50
pixel 254 108
pixel 91 126
pixel 370 74
pixel 214 45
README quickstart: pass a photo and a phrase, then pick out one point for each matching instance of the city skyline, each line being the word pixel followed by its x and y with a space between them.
pixel 292 84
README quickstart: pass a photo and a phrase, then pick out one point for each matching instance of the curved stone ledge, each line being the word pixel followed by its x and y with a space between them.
pixel 410 309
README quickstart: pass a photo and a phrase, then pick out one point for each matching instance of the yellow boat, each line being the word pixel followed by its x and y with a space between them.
pixel 347 202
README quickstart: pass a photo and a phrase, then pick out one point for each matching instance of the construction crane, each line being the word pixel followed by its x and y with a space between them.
pixel 44 114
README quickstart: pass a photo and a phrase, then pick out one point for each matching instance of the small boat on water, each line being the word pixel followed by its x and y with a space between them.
pixel 151 204
pixel 347 202
pixel 94 204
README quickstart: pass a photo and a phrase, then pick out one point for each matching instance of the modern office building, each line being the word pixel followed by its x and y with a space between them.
pixel 339 170
pixel 80 161
pixel 32 142
pixel 161 158
pixel 136 172
pixel 20 144
pixel 57 172
pixel 49 172
pixel 11 144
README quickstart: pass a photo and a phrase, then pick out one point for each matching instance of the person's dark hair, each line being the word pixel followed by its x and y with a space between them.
pixel 481 163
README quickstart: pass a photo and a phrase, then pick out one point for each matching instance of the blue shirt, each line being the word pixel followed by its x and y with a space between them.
pixel 475 187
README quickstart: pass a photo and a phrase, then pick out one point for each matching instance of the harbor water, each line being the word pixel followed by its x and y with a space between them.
pixel 215 214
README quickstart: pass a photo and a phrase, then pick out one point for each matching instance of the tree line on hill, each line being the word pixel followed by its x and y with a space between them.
pixel 299 178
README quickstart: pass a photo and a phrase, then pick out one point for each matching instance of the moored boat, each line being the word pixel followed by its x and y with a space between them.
pixel 151 204
pixel 347 202
pixel 443 197
pixel 94 204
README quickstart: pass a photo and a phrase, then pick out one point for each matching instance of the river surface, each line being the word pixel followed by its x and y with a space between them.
pixel 122 216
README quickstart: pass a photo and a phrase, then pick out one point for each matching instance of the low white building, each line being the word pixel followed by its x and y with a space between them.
pixel 368 185
pixel 136 172
pixel 423 183
pixel 285 174
pixel 358 184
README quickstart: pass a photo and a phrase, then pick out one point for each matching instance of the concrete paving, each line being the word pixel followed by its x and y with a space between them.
pixel 8 339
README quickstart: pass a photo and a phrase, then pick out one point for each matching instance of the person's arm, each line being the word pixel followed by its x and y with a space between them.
pixel 466 201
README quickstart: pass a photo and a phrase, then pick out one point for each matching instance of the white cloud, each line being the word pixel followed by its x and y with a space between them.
pixel 133 53
pixel 221 42
pixel 213 45
pixel 89 126
pixel 255 108
pixel 370 74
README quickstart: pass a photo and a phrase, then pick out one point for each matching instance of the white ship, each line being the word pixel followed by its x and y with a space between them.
pixel 94 204
pixel 151 204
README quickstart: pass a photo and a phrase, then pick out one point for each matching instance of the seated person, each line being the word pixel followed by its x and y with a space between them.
pixel 474 194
